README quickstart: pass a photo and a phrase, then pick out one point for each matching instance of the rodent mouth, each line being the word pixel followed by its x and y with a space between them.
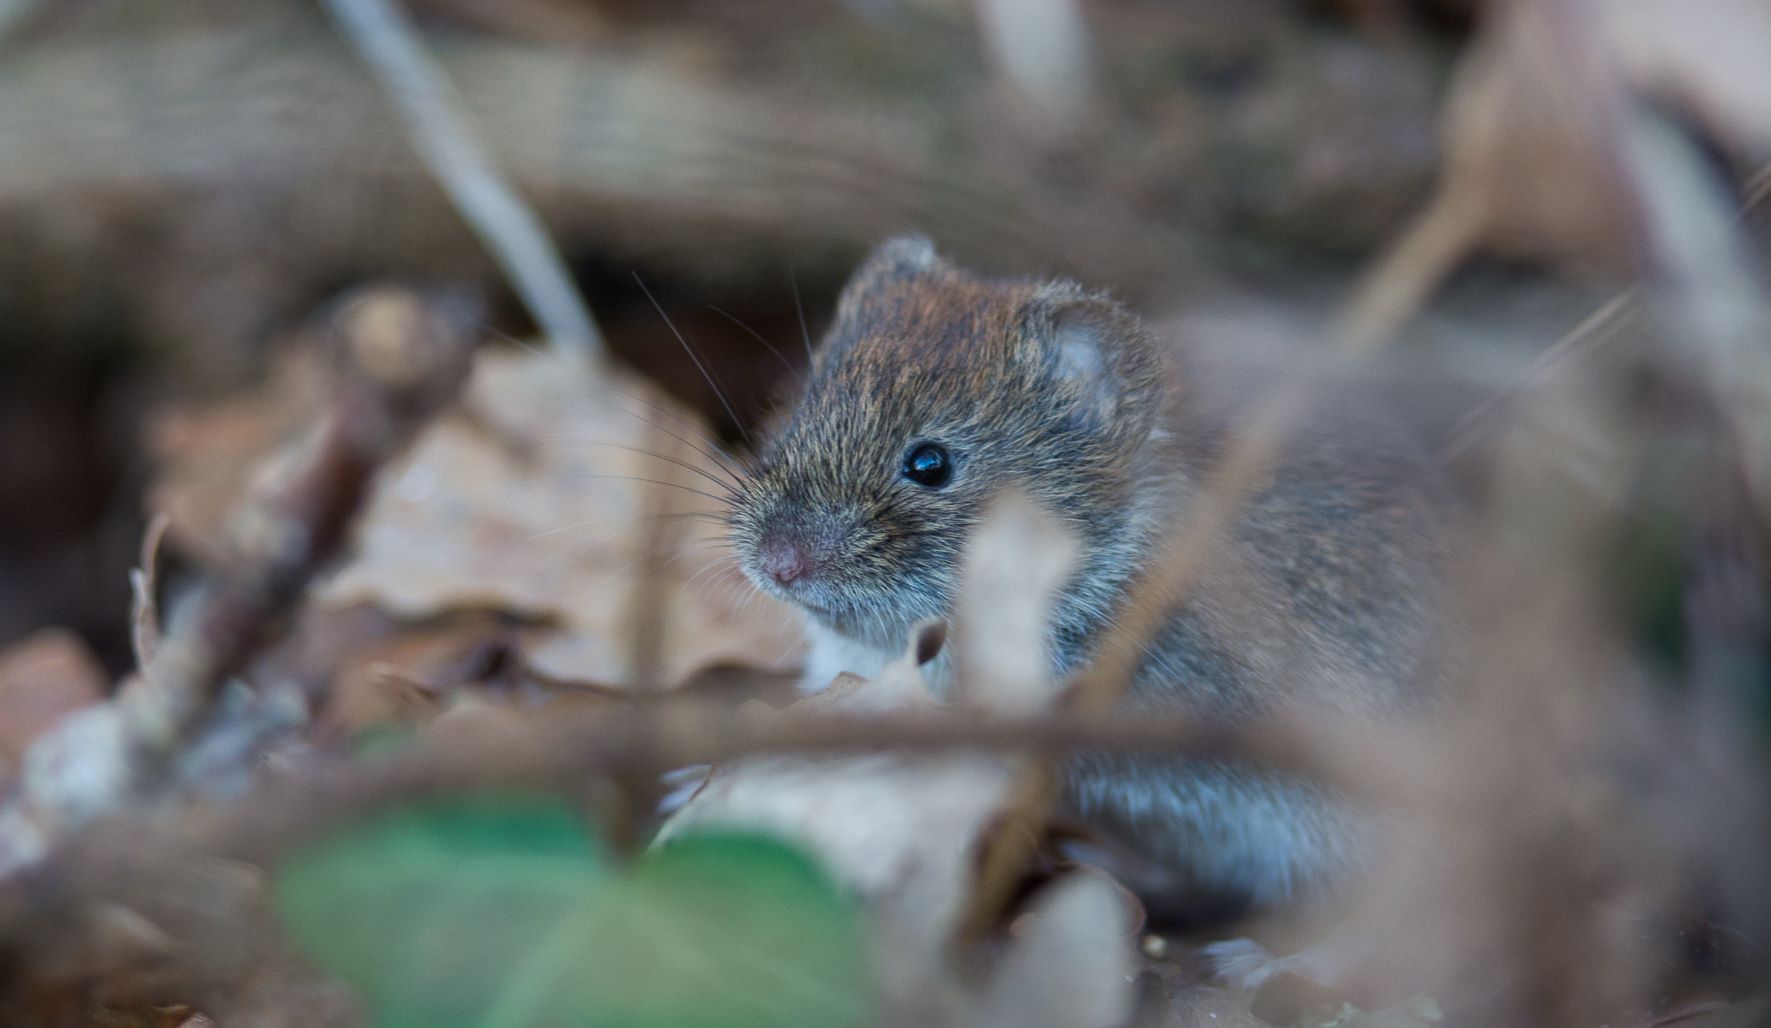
pixel 819 599
pixel 791 594
pixel 832 614
pixel 827 613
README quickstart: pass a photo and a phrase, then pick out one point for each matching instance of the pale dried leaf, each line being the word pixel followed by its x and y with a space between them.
pixel 529 503
pixel 1531 114
pixel 1015 564
pixel 1072 966
pixel 900 830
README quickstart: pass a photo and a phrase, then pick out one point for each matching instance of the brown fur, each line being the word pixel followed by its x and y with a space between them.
pixel 1325 595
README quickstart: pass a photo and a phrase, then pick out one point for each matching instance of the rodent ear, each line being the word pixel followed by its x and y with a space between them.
pixel 896 261
pixel 902 256
pixel 1101 350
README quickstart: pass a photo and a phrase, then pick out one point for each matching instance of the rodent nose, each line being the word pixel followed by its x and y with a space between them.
pixel 784 561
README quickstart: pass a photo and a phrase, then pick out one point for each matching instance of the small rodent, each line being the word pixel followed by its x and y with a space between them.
pixel 935 388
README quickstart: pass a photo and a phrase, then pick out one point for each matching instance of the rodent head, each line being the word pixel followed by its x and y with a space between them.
pixel 932 391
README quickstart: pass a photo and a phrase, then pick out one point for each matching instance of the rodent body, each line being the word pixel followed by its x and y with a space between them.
pixel 935 389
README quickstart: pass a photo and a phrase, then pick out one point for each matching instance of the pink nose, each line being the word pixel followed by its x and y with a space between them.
pixel 784 561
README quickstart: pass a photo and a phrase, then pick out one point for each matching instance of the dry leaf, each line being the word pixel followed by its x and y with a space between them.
pixel 1071 968
pixel 1533 133
pixel 900 830
pixel 1016 562
pixel 207 458
pixel 1529 123
pixel 532 502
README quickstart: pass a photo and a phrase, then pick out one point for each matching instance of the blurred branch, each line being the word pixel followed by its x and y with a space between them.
pixel 144 582
pixel 1242 470
pixel 556 750
pixel 1593 333
pixel 404 361
pixel 561 750
pixel 419 90
pixel 1410 269
pixel 1044 51
pixel 1705 283
pixel 620 139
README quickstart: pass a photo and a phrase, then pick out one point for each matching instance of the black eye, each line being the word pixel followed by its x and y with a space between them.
pixel 928 465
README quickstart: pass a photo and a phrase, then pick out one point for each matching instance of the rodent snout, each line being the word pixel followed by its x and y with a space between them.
pixel 782 559
pixel 794 549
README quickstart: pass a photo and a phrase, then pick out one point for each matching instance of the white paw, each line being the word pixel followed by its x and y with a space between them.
pixel 679 785
pixel 1245 963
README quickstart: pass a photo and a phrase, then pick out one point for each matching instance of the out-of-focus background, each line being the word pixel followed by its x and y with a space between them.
pixel 183 182
pixel 1531 230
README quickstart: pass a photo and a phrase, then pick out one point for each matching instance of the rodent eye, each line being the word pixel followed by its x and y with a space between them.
pixel 928 464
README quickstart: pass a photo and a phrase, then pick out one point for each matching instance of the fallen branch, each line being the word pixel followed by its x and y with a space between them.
pixel 180 888
pixel 516 237
pixel 556 751
pixel 403 362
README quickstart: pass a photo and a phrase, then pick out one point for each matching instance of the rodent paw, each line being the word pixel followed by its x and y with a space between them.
pixel 680 784
pixel 1244 963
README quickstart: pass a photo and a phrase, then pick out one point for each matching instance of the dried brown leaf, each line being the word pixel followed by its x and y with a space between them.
pixel 1529 129
pixel 1533 133
pixel 532 502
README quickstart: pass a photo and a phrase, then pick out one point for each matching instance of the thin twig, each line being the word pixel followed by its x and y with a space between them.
pixel 404 362
pixel 123 859
pixel 1255 445
pixel 421 93
pixel 1408 272
pixel 144 583
pixel 561 750
pixel 1594 332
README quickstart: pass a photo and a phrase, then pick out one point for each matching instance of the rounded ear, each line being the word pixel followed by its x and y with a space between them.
pixel 899 257
pixel 896 261
pixel 1100 351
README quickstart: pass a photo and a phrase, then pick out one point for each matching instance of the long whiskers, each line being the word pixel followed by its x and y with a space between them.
pixel 797 372
pixel 613 525
pixel 725 502
pixel 717 572
pixel 719 483
pixel 716 455
pixel 805 333
pixel 728 462
pixel 696 358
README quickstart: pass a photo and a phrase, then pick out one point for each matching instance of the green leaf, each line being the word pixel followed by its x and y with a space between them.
pixel 505 914
pixel 427 910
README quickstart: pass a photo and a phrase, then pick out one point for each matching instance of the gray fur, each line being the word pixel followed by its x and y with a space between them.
pixel 1325 599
